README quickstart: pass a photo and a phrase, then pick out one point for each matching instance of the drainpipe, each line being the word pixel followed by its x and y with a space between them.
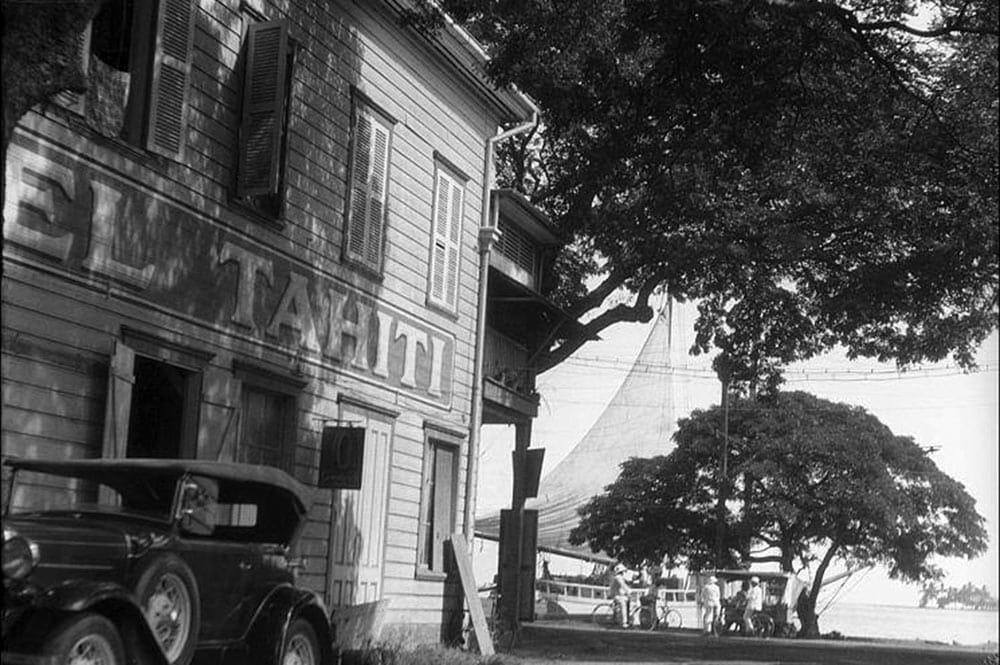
pixel 488 234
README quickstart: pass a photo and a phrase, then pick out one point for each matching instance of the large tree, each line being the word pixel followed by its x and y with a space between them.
pixel 809 482
pixel 815 173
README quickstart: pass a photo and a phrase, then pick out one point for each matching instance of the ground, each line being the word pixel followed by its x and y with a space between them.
pixel 556 642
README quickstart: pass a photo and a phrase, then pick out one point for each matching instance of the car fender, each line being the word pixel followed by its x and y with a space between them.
pixel 268 630
pixel 107 598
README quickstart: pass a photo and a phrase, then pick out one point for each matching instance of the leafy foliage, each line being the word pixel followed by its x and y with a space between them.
pixel 808 481
pixel 815 173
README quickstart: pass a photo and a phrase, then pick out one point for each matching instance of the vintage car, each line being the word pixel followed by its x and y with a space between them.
pixel 781 595
pixel 115 561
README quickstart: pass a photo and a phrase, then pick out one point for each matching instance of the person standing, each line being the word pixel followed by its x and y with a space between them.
pixel 619 591
pixel 755 603
pixel 711 598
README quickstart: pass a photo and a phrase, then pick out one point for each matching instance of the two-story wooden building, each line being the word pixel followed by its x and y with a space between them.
pixel 260 224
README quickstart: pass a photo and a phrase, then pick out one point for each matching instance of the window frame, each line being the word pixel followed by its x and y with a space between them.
pixel 263 379
pixel 152 52
pixel 434 565
pixel 363 109
pixel 456 181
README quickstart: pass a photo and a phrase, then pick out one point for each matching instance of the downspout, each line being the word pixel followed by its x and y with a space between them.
pixel 488 234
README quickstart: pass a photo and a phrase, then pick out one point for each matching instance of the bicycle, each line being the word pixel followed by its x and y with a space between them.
pixel 504 634
pixel 648 615
pixel 664 616
pixel 731 623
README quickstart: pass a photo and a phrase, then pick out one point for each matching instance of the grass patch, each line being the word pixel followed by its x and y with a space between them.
pixel 421 655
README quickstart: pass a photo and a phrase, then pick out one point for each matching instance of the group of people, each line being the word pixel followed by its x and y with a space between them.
pixel 750 598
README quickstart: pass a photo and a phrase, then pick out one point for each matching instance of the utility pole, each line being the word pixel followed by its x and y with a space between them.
pixel 723 490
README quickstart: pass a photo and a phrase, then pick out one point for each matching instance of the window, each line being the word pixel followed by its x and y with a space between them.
pixel 438 502
pixel 268 63
pixel 263 436
pixel 446 239
pixel 267 417
pixel 138 67
pixel 371 134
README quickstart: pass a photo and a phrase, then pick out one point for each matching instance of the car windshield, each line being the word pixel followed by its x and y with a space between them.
pixel 142 495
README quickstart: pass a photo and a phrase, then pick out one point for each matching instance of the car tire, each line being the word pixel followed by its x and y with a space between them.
pixel 301 645
pixel 168 597
pixel 85 638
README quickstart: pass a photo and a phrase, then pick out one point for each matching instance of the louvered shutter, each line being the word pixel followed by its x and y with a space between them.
pixel 170 76
pixel 447 231
pixel 262 123
pixel 369 172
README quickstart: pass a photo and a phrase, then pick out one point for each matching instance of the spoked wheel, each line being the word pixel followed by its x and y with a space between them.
pixel 603 614
pixel 672 619
pixel 168 596
pixel 301 647
pixel 86 639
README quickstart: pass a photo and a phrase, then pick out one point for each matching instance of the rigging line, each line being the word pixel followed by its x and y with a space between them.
pixel 841 588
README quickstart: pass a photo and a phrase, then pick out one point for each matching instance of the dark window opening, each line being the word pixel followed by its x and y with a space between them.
pixel 156 417
pixel 120 50
pixel 266 422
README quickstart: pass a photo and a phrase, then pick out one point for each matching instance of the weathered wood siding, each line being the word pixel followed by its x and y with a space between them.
pixel 60 322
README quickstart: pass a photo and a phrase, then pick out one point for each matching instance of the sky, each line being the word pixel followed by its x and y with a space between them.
pixel 938 405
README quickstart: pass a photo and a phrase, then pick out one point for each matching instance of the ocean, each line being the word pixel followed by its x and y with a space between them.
pixel 949 626
pixel 895 622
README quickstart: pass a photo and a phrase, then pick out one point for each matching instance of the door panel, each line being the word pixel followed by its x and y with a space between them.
pixel 358 527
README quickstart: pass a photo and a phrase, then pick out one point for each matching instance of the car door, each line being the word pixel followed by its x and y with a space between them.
pixel 223 571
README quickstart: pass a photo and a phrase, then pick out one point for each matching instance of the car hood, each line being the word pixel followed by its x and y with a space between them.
pixel 82 548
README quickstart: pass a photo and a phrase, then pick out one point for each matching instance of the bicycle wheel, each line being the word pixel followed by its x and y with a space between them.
pixel 652 618
pixel 672 619
pixel 763 625
pixel 603 614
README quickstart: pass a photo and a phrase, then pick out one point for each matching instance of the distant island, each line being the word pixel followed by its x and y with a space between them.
pixel 969 596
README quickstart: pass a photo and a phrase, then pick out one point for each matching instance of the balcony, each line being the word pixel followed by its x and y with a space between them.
pixel 509 383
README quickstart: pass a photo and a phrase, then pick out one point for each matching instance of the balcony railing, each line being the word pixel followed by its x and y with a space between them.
pixel 505 361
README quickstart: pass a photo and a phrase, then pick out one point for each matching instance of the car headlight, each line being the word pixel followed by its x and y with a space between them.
pixel 19 557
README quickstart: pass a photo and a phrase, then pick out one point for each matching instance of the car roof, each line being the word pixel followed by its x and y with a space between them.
pixel 235 471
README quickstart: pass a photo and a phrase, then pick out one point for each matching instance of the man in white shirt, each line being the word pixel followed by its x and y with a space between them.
pixel 711 599
pixel 619 591
pixel 755 603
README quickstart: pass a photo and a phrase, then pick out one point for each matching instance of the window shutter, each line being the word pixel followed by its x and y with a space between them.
pixel 447 232
pixel 264 92
pixel 170 74
pixel 118 401
pixel 369 172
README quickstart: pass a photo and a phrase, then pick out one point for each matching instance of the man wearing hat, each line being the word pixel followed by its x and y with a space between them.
pixel 755 603
pixel 619 591
pixel 711 599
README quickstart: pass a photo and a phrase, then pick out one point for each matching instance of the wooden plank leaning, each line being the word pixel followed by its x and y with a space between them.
pixel 464 561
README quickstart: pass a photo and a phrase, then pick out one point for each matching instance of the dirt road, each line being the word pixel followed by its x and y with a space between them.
pixel 556 642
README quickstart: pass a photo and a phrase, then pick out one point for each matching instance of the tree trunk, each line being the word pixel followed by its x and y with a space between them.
pixel 806 610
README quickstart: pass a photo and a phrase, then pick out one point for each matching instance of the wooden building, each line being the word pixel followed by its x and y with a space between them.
pixel 260 225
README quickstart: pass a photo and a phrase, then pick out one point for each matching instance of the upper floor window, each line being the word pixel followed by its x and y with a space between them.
pixel 449 200
pixel 139 65
pixel 268 62
pixel 367 205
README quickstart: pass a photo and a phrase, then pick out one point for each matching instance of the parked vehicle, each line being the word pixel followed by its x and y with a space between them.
pixel 152 561
pixel 781 594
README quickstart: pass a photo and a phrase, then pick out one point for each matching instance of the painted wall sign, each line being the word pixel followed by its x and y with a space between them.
pixel 92 222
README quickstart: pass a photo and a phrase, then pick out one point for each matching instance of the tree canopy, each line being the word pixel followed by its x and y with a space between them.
pixel 814 173
pixel 809 482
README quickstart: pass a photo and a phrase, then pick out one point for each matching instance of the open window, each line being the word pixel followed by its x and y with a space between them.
pixel 154 398
pixel 137 54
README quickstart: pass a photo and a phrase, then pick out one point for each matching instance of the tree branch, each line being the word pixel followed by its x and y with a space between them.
pixel 640 311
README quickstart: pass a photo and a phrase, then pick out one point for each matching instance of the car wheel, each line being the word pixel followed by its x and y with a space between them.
pixel 168 596
pixel 86 639
pixel 301 645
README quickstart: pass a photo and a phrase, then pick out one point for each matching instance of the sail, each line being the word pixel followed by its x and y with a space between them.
pixel 638 421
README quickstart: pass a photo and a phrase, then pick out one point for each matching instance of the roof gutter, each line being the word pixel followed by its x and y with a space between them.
pixel 488 235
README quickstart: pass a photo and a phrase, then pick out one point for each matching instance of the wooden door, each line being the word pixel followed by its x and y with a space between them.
pixel 358 527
